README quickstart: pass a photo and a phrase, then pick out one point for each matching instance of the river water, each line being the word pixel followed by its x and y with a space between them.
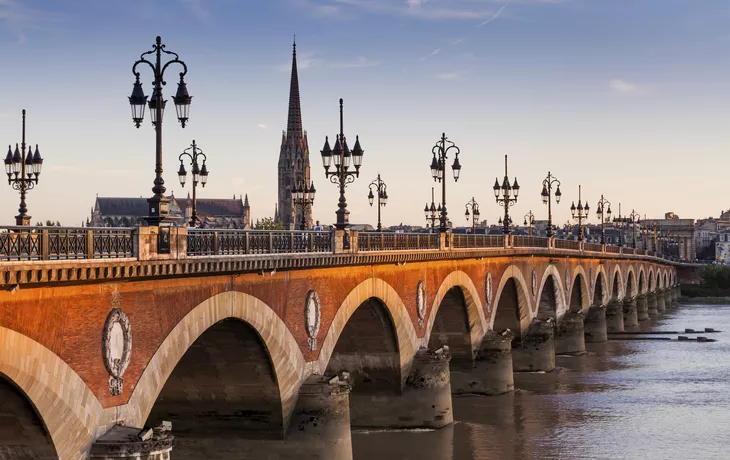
pixel 621 400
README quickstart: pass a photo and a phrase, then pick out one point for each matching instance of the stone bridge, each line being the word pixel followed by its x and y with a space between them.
pixel 275 343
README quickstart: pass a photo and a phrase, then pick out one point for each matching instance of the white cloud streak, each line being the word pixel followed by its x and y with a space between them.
pixel 623 87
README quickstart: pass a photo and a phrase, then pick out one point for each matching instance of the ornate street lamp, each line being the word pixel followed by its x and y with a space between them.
pixel 200 174
pixel 529 221
pixel 579 213
pixel 505 222
pixel 440 153
pixel 604 209
pixel 303 197
pixel 475 211
pixel 621 221
pixel 634 218
pixel 547 192
pixel 159 206
pixel 431 212
pixel 23 171
pixel 506 195
pixel 382 194
pixel 343 160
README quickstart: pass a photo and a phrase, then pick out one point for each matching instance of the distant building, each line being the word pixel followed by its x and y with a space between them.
pixel 212 212
pixel 676 236
pixel 722 247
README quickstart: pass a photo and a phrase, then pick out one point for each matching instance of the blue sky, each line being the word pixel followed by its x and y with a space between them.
pixel 629 98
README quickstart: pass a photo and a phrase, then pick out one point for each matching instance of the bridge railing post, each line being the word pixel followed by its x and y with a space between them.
pixel 354 247
pixel 443 242
pixel 89 244
pixel 507 241
pixel 581 246
pixel 45 250
pixel 551 242
pixel 215 244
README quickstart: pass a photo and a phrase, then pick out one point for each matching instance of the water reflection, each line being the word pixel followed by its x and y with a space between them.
pixel 622 399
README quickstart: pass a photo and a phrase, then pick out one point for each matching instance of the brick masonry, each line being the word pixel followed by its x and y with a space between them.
pixel 51 337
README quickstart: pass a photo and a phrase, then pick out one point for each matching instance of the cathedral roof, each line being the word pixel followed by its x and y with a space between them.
pixel 294 123
pixel 118 206
pixel 215 206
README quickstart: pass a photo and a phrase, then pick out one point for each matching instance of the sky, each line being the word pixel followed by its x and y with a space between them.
pixel 629 98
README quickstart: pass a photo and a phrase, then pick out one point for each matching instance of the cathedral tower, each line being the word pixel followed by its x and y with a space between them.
pixel 293 157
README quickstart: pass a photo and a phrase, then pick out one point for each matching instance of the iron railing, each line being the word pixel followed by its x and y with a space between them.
pixel 464 241
pixel 386 241
pixel 65 243
pixel 593 247
pixel 203 242
pixel 613 249
pixel 520 241
pixel 567 244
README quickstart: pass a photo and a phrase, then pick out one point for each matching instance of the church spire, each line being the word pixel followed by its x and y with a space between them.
pixel 294 123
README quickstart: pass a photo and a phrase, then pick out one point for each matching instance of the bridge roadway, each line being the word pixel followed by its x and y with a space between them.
pixel 256 344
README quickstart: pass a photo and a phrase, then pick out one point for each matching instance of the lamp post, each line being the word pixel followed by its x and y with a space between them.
pixel 23 171
pixel 506 196
pixel 431 212
pixel 620 221
pixel 474 211
pixel 634 218
pixel 159 206
pixel 200 174
pixel 303 197
pixel 440 153
pixel 342 175
pixel 604 209
pixel 547 192
pixel 505 222
pixel 382 192
pixel 530 220
pixel 579 213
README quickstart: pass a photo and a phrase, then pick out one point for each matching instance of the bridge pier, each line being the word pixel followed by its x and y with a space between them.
pixel 642 308
pixel 614 316
pixel 570 335
pixel 669 297
pixel 423 402
pixel 594 325
pixel 124 443
pixel 651 301
pixel 535 351
pixel 677 293
pixel 320 424
pixel 491 373
pixel 630 315
pixel 661 305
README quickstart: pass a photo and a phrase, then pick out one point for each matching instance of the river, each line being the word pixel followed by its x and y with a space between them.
pixel 621 400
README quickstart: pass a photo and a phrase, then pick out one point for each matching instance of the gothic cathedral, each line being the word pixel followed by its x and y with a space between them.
pixel 293 158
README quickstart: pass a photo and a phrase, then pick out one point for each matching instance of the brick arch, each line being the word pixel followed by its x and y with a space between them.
pixel 579 275
pixel 617 275
pixel 524 296
pixel 666 280
pixel 283 351
pixel 606 286
pixel 473 304
pixel 67 407
pixel 408 341
pixel 651 280
pixel 560 300
pixel 658 279
pixel 631 283
pixel 642 285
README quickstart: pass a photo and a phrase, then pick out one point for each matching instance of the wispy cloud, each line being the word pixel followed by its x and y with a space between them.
pixel 17 18
pixel 449 76
pixel 304 61
pixel 432 53
pixel 359 62
pixel 262 126
pixel 197 9
pixel 424 9
pixel 623 87
pixel 495 16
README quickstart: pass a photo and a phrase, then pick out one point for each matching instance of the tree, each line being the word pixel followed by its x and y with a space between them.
pixel 268 223
pixel 49 223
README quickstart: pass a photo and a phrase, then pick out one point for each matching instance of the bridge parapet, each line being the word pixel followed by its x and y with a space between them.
pixel 62 254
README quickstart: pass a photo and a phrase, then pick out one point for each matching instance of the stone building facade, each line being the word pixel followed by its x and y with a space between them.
pixel 293 166
pixel 212 212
